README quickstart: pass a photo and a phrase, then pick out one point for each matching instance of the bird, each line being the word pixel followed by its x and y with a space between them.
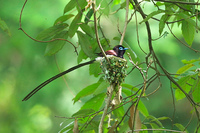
pixel 117 51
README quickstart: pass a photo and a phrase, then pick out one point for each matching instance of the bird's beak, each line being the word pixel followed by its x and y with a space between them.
pixel 125 48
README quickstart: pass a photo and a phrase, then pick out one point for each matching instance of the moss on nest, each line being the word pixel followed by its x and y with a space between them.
pixel 115 72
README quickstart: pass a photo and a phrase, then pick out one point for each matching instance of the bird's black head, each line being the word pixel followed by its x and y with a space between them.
pixel 120 50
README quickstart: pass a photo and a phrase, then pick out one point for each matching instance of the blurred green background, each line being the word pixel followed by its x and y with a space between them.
pixel 23 66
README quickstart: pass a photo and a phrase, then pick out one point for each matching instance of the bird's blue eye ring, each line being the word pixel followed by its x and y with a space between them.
pixel 120 48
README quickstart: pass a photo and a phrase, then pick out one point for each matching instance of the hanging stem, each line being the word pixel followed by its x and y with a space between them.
pixel 111 88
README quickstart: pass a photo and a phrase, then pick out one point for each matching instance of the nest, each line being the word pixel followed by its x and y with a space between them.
pixel 115 71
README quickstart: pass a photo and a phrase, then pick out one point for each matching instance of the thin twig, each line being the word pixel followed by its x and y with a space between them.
pixel 63 77
pixel 181 41
pixel 137 33
pixel 54 39
pixel 125 24
pixel 96 32
pixel 142 92
pixel 103 32
pixel 174 105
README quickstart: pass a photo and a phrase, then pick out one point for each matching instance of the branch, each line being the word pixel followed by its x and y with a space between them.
pixel 96 32
pixel 106 108
pixel 143 89
pixel 126 22
pixel 20 28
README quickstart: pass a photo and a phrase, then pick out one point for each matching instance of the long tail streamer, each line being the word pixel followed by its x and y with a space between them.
pixel 55 77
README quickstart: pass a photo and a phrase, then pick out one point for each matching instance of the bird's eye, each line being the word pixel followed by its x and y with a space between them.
pixel 120 48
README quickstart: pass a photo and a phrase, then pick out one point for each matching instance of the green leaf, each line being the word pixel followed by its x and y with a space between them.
pixel 180 127
pixel 116 2
pixel 75 24
pixel 119 112
pixel 151 15
pixel 124 127
pixel 171 8
pixel 164 118
pixel 4 27
pixel 184 69
pixel 52 31
pixel 70 6
pixel 63 19
pixel 81 56
pixel 94 69
pixel 102 87
pixel 142 108
pixel 88 30
pixel 155 126
pixel 86 91
pixel 83 112
pixel 162 22
pixel 186 84
pixel 127 92
pixel 85 43
pixel 154 122
pixel 132 88
pixel 144 127
pixel 95 102
pixel 190 61
pixel 179 94
pixel 55 46
pixel 67 128
pixel 192 7
pixel 196 91
pixel 188 31
pixel 80 6
pixel 187 18
pixel 105 8
pixel 88 16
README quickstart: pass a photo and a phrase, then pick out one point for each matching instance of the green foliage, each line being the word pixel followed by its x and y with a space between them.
pixel 86 45
pixel 63 18
pixel 188 31
pixel 52 31
pixel 95 102
pixel 70 6
pixel 86 91
pixel 55 46
pixel 4 27
pixel 114 72
pixel 77 22
pixel 152 14
pixel 162 22
pixel 189 81
pixel 181 127
pixel 88 16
